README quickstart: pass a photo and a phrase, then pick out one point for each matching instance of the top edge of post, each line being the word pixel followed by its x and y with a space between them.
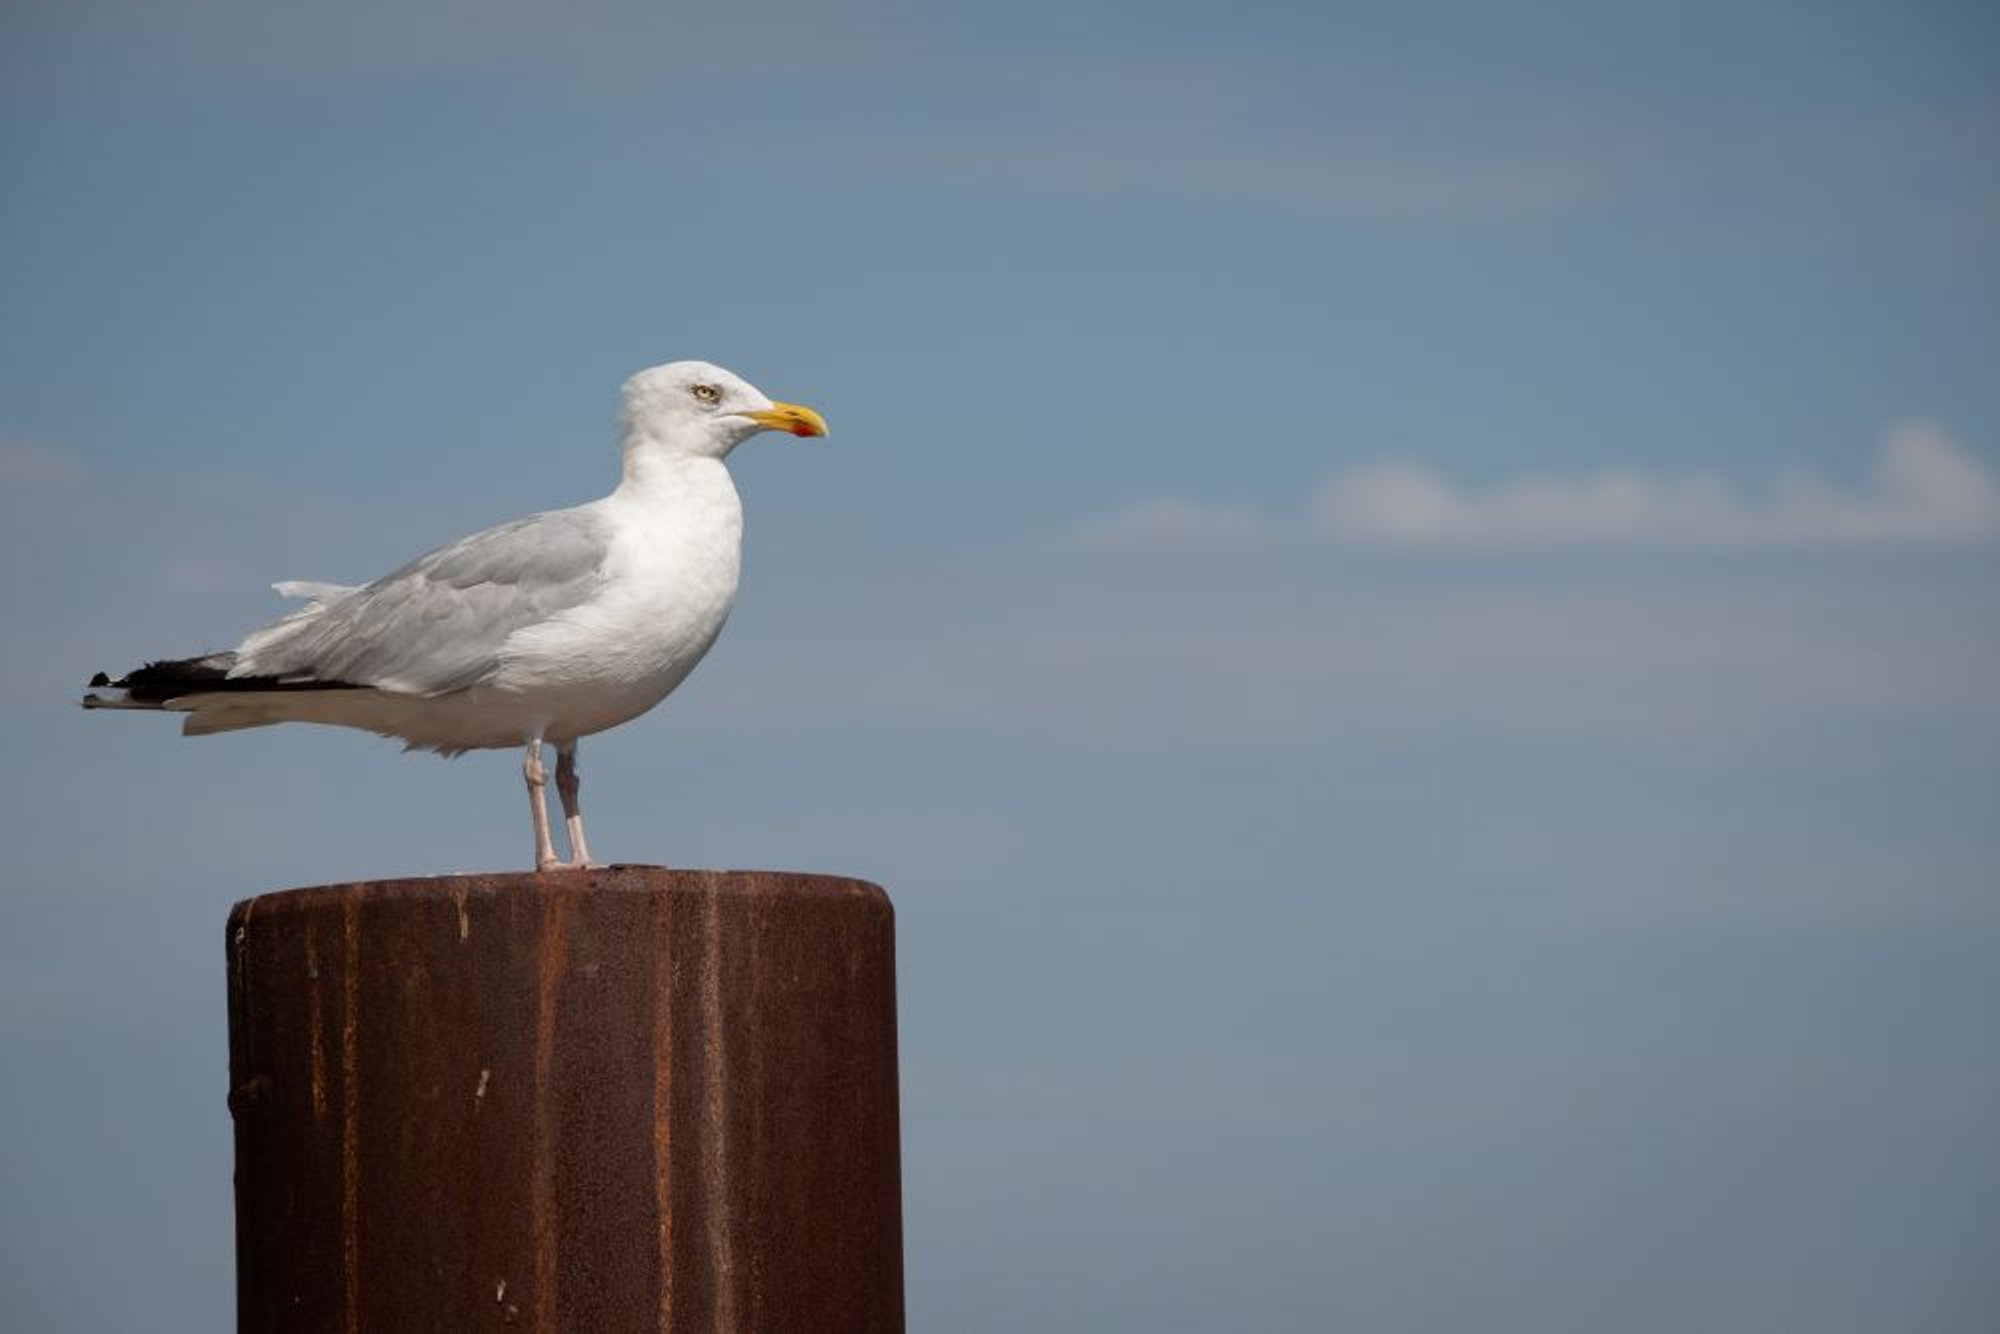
pixel 617 879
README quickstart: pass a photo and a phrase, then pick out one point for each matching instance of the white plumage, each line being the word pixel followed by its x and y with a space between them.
pixel 546 629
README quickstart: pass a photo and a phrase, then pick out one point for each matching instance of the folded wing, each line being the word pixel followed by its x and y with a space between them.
pixel 439 623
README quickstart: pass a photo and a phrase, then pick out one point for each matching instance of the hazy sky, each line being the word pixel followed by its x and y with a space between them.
pixel 1406 605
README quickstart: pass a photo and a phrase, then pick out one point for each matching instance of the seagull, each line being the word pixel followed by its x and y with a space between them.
pixel 543 630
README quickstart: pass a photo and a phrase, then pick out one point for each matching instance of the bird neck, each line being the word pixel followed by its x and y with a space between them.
pixel 654 473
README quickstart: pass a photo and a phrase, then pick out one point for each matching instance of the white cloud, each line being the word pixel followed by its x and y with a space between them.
pixel 1132 122
pixel 1171 521
pixel 1333 175
pixel 231 44
pixel 1300 649
pixel 1925 489
pixel 28 465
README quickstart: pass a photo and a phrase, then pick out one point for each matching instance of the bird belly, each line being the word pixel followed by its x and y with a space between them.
pixel 559 705
pixel 610 661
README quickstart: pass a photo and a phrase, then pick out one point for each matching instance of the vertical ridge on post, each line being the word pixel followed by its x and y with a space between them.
pixel 631 1099
pixel 350 1111
pixel 662 1107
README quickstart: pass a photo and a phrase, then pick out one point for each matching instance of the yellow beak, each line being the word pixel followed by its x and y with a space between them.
pixel 790 417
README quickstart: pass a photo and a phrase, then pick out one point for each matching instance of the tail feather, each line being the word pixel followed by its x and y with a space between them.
pixel 158 684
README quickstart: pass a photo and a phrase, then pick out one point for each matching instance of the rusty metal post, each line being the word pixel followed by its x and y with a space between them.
pixel 593 1101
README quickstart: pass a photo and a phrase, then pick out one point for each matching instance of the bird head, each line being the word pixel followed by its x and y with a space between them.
pixel 693 408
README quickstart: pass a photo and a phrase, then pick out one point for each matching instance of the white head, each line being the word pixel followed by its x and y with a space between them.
pixel 690 408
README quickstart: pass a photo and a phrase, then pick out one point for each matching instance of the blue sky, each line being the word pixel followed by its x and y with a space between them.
pixel 1404 603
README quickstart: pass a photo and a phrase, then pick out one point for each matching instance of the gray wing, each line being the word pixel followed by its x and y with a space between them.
pixel 438 623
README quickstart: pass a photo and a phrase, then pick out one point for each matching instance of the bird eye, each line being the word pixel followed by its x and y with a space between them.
pixel 707 393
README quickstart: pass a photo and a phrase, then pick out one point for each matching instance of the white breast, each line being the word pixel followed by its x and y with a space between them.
pixel 670 581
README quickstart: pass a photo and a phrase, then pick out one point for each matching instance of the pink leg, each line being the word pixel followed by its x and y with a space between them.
pixel 531 770
pixel 568 784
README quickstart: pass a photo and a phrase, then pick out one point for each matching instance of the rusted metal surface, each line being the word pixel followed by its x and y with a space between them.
pixel 595 1101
